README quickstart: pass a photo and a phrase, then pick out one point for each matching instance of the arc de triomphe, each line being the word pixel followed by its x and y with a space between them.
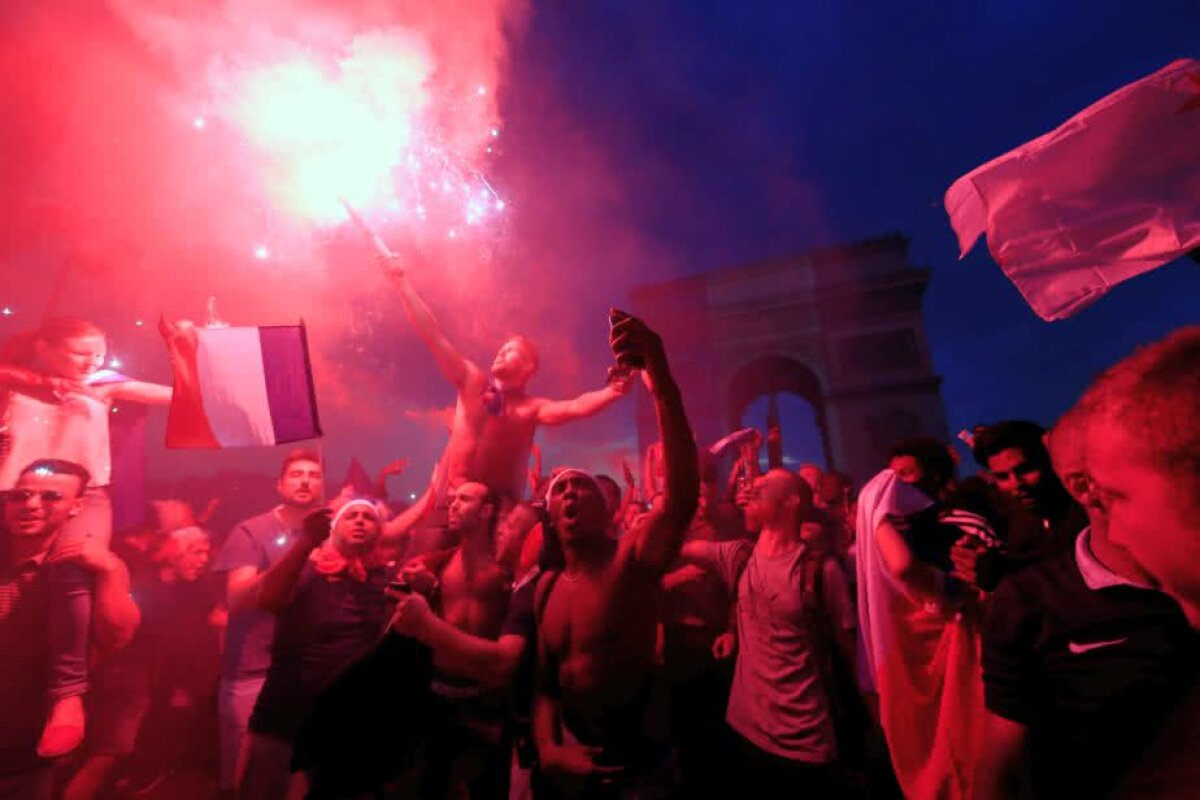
pixel 841 327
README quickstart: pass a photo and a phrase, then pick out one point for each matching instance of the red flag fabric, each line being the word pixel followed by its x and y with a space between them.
pixel 1111 193
pixel 358 479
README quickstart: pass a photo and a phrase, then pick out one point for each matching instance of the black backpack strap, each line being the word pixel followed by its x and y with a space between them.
pixel 545 587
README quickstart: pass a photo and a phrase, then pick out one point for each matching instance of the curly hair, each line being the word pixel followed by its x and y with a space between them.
pixel 1019 434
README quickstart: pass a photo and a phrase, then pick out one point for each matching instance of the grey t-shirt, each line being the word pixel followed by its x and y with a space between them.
pixel 257 542
pixel 779 701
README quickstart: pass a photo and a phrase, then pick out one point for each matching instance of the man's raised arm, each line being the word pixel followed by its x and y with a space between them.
pixel 656 542
pixel 560 412
pixel 450 361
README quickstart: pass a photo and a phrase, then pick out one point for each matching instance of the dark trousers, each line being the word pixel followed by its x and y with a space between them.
pixel 36 784
pixel 766 775
pixel 468 751
pixel 699 732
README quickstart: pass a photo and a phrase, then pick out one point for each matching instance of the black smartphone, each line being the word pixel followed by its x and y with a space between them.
pixel 631 362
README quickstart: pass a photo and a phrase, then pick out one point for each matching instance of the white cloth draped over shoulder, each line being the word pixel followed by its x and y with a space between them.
pixel 884 495
pixel 921 658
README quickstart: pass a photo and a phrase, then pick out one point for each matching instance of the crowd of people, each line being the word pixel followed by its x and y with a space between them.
pixel 1028 629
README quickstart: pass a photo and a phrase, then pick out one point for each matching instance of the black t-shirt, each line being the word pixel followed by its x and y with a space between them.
pixel 332 621
pixel 176 640
pixel 1030 537
pixel 520 619
pixel 1090 673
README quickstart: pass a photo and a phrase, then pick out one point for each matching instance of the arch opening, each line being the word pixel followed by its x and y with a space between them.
pixel 798 405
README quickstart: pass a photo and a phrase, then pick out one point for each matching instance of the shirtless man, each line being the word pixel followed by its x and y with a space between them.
pixel 597 625
pixel 467 736
pixel 494 417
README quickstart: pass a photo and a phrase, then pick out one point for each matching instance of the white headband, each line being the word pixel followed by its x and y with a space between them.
pixel 358 501
pixel 566 473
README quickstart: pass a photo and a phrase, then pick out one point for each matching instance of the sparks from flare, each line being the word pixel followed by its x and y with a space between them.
pixel 367 125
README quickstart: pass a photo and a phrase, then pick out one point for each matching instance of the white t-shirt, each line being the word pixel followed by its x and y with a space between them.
pixel 73 429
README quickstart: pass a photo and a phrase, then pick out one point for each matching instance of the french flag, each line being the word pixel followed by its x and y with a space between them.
pixel 241 387
pixel 1111 193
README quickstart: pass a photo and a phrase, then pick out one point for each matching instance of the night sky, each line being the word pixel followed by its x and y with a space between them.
pixel 642 141
pixel 743 132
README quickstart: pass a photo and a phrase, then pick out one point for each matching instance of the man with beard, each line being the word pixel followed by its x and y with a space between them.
pixel 467 744
pixel 1041 518
pixel 597 619
pixel 252 548
pixel 1016 457
pixel 494 416
pixel 327 595
pixel 793 604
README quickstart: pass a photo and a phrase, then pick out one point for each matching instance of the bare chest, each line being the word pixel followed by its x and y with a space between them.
pixel 598 617
pixel 474 600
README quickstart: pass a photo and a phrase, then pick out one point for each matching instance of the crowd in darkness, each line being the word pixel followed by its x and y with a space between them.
pixel 717 625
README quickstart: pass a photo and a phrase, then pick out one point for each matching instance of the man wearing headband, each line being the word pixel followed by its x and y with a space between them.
pixel 327 595
pixel 597 619
pixel 495 418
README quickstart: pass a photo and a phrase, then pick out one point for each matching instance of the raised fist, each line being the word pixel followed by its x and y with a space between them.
pixel 316 526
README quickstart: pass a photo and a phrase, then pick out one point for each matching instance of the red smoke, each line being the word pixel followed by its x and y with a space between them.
pixel 120 205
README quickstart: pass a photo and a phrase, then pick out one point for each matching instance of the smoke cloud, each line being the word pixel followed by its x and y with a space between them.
pixel 136 187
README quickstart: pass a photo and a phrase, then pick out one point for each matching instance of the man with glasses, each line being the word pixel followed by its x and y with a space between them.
pixel 1083 656
pixel 46 609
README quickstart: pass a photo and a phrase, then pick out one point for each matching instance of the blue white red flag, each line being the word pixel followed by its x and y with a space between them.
pixel 239 387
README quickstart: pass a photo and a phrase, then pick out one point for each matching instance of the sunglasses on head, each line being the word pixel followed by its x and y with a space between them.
pixel 25 495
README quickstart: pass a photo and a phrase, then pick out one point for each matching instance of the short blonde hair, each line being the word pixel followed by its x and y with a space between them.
pixel 1154 396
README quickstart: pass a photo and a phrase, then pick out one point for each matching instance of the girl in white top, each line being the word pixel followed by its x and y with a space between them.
pixel 56 403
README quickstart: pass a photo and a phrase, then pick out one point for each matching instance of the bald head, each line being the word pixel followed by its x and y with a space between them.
pixel 779 500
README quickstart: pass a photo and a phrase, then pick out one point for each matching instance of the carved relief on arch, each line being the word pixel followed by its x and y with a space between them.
pixel 882 351
pixel 887 427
